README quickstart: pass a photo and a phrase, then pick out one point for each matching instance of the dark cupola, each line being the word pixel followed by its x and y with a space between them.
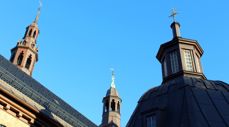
pixel 180 56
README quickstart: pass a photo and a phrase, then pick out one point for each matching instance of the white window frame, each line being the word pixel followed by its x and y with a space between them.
pixel 197 61
pixel 188 60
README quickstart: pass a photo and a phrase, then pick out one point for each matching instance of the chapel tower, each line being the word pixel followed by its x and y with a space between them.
pixel 25 54
pixel 111 106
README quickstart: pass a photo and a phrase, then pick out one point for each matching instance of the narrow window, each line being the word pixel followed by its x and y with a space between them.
pixel 188 60
pixel 30 32
pixel 113 105
pixel 28 62
pixel 197 61
pixel 20 58
pixel 151 121
pixel 118 106
pixel 34 34
pixel 174 62
pixel 165 67
pixel 107 106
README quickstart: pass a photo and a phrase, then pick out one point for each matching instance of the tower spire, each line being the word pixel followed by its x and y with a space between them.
pixel 38 12
pixel 113 79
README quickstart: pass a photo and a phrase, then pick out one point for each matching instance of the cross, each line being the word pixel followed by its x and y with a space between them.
pixel 173 14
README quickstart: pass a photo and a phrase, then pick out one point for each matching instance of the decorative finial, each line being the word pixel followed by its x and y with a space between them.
pixel 38 12
pixel 113 78
pixel 173 14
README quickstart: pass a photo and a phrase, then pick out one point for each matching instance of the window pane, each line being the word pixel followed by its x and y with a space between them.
pixel 188 60
pixel 165 68
pixel 197 61
pixel 151 121
pixel 174 62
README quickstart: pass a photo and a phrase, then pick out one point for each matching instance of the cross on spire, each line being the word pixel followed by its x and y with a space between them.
pixel 173 14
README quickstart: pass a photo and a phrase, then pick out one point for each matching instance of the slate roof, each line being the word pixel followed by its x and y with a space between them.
pixel 37 92
pixel 185 102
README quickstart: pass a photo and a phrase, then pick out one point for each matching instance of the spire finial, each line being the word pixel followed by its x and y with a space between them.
pixel 113 78
pixel 38 12
pixel 173 14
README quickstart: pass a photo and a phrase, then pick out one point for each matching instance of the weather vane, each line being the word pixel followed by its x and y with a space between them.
pixel 38 11
pixel 174 14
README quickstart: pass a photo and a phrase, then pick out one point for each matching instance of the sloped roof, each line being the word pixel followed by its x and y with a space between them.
pixel 185 102
pixel 112 92
pixel 37 92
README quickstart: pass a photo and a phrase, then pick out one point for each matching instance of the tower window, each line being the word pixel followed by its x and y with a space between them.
pixel 28 62
pixel 107 106
pixel 30 32
pixel 118 107
pixel 174 62
pixel 34 34
pixel 151 121
pixel 20 58
pixel 113 105
pixel 188 60
pixel 197 61
pixel 165 68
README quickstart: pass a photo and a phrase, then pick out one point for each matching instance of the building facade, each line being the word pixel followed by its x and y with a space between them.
pixel 185 98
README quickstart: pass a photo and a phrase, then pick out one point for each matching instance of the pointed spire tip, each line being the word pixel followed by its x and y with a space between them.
pixel 113 78
pixel 38 12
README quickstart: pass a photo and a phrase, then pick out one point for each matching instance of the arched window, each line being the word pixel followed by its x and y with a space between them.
pixel 107 106
pixel 118 106
pixel 34 33
pixel 20 58
pixel 113 105
pixel 30 32
pixel 28 62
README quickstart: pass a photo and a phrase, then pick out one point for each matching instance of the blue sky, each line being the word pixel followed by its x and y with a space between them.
pixel 80 40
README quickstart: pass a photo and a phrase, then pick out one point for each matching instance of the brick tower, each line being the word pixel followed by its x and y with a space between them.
pixel 111 107
pixel 25 54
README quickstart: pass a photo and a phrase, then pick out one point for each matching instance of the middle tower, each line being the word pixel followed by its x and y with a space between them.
pixel 111 106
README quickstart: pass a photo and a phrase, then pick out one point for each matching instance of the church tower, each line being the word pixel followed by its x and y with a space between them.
pixel 180 56
pixel 111 106
pixel 25 54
